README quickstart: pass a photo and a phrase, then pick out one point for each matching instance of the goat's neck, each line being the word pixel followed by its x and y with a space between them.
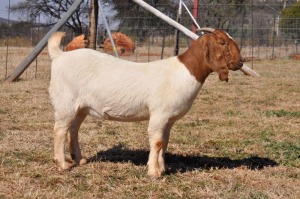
pixel 194 61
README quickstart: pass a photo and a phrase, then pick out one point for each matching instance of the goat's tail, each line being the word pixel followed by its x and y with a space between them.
pixel 54 44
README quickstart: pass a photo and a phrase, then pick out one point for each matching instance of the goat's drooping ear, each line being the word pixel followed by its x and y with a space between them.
pixel 231 51
pixel 214 57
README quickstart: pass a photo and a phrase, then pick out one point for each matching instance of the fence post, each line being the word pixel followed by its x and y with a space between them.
pixel 273 44
pixel 178 19
pixel 93 13
pixel 195 13
pixel 7 42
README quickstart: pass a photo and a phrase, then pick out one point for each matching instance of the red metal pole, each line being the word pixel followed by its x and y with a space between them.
pixel 195 14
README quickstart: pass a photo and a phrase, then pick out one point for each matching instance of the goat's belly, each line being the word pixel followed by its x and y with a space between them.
pixel 117 114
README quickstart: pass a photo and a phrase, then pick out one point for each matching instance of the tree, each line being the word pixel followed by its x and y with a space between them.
pixel 289 21
pixel 222 13
pixel 131 17
pixel 51 12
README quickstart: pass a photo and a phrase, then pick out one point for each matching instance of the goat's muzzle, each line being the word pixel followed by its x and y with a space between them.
pixel 239 65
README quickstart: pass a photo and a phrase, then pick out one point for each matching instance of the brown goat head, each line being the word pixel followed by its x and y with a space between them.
pixel 222 53
pixel 214 52
pixel 232 53
pixel 213 56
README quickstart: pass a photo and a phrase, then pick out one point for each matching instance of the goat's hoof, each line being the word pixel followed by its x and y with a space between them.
pixel 82 161
pixel 154 174
pixel 162 169
pixel 66 166
pixel 70 161
pixel 78 161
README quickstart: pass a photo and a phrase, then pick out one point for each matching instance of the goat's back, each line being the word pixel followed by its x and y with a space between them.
pixel 124 90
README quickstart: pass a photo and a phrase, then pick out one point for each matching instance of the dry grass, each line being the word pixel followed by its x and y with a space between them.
pixel 241 139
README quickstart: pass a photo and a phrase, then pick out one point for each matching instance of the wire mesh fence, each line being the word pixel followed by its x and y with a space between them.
pixel 259 31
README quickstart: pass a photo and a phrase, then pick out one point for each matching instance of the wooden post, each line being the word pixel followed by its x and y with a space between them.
pixel 41 45
pixel 94 10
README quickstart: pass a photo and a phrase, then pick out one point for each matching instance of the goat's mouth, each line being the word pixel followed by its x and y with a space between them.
pixel 236 65
pixel 239 65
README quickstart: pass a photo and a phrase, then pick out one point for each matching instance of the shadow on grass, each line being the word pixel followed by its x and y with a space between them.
pixel 180 163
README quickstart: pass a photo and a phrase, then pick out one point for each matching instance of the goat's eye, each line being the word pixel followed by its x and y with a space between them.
pixel 222 41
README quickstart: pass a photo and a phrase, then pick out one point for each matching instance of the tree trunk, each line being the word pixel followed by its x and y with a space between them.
pixel 94 10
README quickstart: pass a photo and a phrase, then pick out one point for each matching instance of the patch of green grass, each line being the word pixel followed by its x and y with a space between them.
pixel 2 135
pixel 9 161
pixel 282 113
pixel 191 124
pixel 2 196
pixel 286 153
pixel 110 132
pixel 234 149
pixel 233 113
pixel 256 195
pixel 3 112
pixel 26 157
pixel 265 135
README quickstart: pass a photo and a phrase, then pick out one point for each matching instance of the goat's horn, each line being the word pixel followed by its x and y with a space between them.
pixel 207 30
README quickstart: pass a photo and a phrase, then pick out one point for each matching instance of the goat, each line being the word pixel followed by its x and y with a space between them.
pixel 86 82
pixel 76 43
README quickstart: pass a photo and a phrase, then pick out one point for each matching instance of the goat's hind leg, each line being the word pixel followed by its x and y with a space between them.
pixel 74 148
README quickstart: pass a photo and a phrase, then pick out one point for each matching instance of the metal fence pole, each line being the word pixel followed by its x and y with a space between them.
pixel 178 19
pixel 41 45
pixel 108 31
pixel 245 69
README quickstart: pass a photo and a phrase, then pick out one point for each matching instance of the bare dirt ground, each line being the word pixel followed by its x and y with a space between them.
pixel 241 139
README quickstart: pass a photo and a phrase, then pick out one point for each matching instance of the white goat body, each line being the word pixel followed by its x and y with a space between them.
pixel 116 89
pixel 86 82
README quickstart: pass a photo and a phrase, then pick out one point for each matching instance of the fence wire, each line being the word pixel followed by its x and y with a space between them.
pixel 257 29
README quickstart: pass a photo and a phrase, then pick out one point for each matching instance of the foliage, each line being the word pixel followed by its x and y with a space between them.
pixel 130 14
pixel 216 14
pixel 51 11
pixel 288 22
pixel 15 29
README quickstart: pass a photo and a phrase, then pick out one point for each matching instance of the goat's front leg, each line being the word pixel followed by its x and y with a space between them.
pixel 157 142
pixel 60 134
pixel 161 156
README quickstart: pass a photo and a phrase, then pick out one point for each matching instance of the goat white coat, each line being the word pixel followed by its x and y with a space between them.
pixel 116 89
pixel 86 82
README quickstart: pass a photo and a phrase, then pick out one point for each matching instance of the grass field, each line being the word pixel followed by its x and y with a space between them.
pixel 241 139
